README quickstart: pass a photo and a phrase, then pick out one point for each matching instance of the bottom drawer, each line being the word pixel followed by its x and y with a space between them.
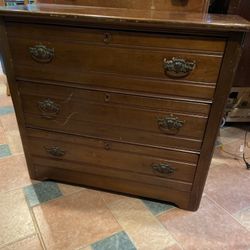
pixel 167 168
pixel 180 198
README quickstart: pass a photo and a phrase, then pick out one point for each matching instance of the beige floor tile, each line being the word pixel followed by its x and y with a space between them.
pixel 228 187
pixel 231 151
pixel 243 216
pixel 211 227
pixel 13 173
pixel 75 221
pixel 231 134
pixel 3 138
pixel 86 248
pixel 69 189
pixel 109 197
pixel 16 221
pixel 3 82
pixel 5 100
pixel 174 247
pixel 143 228
pixel 9 122
pixel 14 141
pixel 30 243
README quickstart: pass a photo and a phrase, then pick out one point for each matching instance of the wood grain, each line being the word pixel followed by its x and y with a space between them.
pixel 97 114
pixel 110 156
pixel 123 61
pixel 110 88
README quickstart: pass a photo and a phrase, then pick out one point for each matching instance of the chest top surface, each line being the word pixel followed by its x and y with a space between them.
pixel 129 17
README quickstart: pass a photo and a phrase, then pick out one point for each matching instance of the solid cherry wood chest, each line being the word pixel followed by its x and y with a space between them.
pixel 118 99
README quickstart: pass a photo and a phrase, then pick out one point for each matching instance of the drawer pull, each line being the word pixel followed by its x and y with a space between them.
pixel 49 108
pixel 163 168
pixel 178 67
pixel 170 124
pixel 41 54
pixel 55 151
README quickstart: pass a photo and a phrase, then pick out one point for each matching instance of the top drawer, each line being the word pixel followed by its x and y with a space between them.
pixel 79 55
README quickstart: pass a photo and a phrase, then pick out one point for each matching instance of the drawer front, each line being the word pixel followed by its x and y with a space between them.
pixel 112 159
pixel 118 38
pixel 134 61
pixel 128 118
pixel 50 57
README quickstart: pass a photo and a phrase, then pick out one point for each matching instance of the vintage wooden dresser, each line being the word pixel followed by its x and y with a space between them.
pixel 120 99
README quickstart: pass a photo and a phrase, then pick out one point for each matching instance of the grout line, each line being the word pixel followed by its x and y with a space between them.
pixel 220 206
pixel 15 241
pixel 14 189
pixel 157 217
pixel 39 235
pixel 123 229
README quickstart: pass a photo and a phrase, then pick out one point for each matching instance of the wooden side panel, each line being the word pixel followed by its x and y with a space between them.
pixel 229 66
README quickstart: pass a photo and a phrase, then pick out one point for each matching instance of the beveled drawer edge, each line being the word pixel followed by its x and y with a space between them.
pixel 123 33
pixel 196 52
pixel 110 140
pixel 111 90
pixel 169 183
pixel 184 162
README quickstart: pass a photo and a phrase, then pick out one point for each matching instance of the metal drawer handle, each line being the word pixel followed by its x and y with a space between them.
pixel 170 124
pixel 41 53
pixel 49 108
pixel 55 151
pixel 178 67
pixel 163 168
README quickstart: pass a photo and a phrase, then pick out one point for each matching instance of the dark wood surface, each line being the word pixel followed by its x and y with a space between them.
pixel 170 5
pixel 128 17
pixel 147 62
pixel 104 109
pixel 114 116
pixel 103 156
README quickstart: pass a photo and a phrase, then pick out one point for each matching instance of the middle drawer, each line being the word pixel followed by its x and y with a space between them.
pixel 114 116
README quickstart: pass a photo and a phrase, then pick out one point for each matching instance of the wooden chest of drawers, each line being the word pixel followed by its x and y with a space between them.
pixel 129 102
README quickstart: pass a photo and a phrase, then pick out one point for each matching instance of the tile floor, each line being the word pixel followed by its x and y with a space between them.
pixel 50 215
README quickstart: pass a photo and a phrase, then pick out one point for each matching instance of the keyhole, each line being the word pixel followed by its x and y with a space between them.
pixel 107 97
pixel 107 37
pixel 107 146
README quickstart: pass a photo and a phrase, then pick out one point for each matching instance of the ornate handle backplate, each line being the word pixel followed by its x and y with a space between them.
pixel 170 124
pixel 163 168
pixel 55 151
pixel 49 108
pixel 178 67
pixel 41 53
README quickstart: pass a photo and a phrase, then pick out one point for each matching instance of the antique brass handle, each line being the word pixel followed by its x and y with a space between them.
pixel 49 108
pixel 163 168
pixel 55 151
pixel 170 124
pixel 41 53
pixel 178 67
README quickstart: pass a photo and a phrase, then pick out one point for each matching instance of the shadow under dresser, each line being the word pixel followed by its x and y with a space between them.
pixel 123 100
